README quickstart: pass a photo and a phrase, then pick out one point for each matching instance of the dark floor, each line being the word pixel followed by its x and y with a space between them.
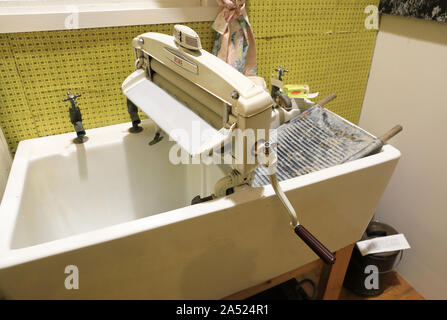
pixel 398 288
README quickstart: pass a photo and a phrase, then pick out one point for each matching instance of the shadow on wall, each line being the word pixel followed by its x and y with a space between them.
pixel 398 26
pixel 5 163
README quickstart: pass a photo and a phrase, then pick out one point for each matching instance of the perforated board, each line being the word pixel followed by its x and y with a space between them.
pixel 322 42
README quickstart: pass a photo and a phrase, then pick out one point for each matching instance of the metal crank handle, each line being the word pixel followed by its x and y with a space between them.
pixel 312 242
pixel 316 246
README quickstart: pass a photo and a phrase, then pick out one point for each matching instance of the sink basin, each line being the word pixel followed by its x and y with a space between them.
pixel 92 186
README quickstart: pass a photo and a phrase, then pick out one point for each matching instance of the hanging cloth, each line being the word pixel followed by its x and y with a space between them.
pixel 235 41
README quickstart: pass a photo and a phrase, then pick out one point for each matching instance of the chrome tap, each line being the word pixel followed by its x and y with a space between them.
pixel 133 112
pixel 76 117
pixel 278 96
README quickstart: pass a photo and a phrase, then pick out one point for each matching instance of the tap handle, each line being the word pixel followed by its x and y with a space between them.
pixel 71 97
pixel 281 72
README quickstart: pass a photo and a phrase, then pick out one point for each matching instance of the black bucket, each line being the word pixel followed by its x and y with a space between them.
pixel 357 271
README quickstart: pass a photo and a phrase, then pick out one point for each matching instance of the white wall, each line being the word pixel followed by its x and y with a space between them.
pixel 408 85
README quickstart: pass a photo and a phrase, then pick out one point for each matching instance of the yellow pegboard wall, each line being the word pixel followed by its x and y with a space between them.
pixel 44 65
pixel 323 42
pixel 15 117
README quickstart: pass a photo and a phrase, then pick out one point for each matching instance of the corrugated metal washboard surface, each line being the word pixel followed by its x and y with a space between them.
pixel 315 139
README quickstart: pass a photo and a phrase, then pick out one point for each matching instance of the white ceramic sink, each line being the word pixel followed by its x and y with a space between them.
pixel 98 184
pixel 116 208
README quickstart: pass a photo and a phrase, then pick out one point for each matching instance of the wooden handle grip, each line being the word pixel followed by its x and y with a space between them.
pixel 387 136
pixel 313 243
pixel 328 99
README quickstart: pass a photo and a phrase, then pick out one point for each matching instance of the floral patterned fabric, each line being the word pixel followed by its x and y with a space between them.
pixel 235 42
